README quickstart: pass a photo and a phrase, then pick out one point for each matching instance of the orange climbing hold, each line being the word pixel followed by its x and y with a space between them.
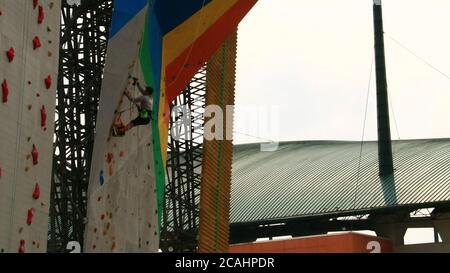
pixel 22 246
pixel 5 91
pixel 36 43
pixel 35 155
pixel 11 54
pixel 41 15
pixel 36 192
pixel 48 82
pixel 43 116
pixel 30 216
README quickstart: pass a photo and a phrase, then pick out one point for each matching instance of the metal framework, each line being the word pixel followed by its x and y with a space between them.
pixel 184 161
pixel 84 37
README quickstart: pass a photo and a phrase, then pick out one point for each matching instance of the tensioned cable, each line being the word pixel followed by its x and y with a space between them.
pixel 358 175
pixel 417 56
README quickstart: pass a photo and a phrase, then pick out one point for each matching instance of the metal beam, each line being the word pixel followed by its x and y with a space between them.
pixel 384 132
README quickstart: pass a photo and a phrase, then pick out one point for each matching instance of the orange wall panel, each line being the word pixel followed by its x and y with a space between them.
pixel 338 243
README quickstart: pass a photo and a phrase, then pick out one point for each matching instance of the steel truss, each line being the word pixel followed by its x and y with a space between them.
pixel 182 192
pixel 84 38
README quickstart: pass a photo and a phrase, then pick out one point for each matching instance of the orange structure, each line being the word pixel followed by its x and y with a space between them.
pixel 337 243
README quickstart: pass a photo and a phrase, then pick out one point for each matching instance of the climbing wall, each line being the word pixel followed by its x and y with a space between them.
pixel 29 41
pixel 215 185
pixel 122 214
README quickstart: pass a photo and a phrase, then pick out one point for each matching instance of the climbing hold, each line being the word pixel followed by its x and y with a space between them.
pixel 43 116
pixel 29 107
pixel 30 216
pixel 36 43
pixel 113 246
pixel 28 139
pixel 102 216
pixel 121 154
pixel 49 54
pixel 35 155
pixel 35 3
pixel 49 29
pixel 99 199
pixel 22 246
pixel 11 54
pixel 109 157
pixel 26 169
pixel 102 179
pixel 94 246
pixel 51 5
pixel 48 82
pixel 29 82
pixel 110 170
pixel 0 172
pixel 41 15
pixel 5 91
pixel 36 192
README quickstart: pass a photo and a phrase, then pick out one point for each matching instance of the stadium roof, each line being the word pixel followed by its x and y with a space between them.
pixel 313 178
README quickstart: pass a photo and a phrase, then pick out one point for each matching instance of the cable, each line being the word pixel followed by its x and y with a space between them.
pixel 417 56
pixel 362 137
pixel 393 115
pixel 266 139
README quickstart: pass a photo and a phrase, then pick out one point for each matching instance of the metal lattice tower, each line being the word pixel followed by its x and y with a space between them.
pixel 182 192
pixel 84 38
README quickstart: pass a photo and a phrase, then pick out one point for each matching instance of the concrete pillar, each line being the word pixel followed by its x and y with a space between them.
pixel 391 227
pixel 442 225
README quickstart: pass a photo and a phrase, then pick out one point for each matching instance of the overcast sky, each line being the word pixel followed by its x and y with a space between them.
pixel 312 58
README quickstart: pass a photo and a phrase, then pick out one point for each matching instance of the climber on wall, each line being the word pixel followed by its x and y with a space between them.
pixel 144 104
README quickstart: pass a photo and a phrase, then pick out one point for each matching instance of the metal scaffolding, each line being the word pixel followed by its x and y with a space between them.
pixel 84 38
pixel 182 192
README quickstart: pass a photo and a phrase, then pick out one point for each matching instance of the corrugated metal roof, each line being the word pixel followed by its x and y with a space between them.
pixel 313 178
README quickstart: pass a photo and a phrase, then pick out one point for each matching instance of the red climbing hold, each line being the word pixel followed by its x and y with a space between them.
pixel 35 154
pixel 36 43
pixel 41 15
pixel 0 172
pixel 5 91
pixel 36 192
pixel 30 216
pixel 22 246
pixel 48 82
pixel 10 53
pixel 35 3
pixel 109 157
pixel 43 116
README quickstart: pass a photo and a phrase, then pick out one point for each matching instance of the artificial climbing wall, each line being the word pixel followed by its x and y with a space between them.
pixel 215 185
pixel 122 213
pixel 29 42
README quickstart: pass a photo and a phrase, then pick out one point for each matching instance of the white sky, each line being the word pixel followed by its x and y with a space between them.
pixel 312 58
